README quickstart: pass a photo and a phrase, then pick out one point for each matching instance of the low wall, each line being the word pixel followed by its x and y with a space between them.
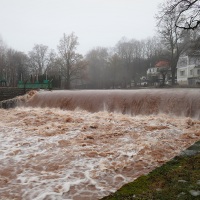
pixel 9 93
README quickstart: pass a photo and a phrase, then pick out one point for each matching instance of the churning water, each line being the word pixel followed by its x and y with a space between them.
pixel 87 144
pixel 182 102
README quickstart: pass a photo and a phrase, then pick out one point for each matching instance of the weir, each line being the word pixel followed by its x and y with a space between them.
pixel 179 102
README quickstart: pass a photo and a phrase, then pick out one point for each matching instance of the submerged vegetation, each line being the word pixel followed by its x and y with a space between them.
pixel 177 179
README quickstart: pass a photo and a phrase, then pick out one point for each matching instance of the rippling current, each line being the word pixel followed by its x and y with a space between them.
pixel 86 144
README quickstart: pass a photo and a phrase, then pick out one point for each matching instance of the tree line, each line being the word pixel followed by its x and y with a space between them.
pixel 117 67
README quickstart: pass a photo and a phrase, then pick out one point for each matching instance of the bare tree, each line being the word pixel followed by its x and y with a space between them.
pixel 16 67
pixel 132 54
pixel 174 39
pixel 97 59
pixel 3 50
pixel 38 58
pixel 126 51
pixel 22 67
pixel 116 70
pixel 188 13
pixel 52 67
pixel 153 48
pixel 70 61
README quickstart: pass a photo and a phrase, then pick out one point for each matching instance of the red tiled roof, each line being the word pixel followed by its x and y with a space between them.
pixel 162 63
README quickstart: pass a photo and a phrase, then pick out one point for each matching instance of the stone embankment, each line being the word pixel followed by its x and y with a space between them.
pixel 8 96
pixel 10 103
pixel 11 92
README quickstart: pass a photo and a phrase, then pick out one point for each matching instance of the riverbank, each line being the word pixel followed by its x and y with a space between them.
pixel 177 179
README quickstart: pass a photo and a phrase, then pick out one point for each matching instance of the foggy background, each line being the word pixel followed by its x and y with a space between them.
pixel 24 23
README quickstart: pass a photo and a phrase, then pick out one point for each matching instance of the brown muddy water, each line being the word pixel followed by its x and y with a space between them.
pixel 87 144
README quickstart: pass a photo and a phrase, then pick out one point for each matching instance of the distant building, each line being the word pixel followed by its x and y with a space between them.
pixel 159 74
pixel 188 68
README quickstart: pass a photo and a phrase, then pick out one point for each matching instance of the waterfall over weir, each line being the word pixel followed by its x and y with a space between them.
pixel 180 102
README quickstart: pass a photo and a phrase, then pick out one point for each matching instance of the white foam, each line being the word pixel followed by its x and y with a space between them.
pixel 66 187
pixel 58 154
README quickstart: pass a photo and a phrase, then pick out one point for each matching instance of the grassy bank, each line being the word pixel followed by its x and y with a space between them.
pixel 178 179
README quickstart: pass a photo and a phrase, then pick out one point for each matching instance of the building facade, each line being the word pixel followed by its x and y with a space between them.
pixel 188 69
pixel 160 74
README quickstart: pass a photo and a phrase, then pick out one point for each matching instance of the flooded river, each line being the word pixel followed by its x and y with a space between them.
pixel 86 144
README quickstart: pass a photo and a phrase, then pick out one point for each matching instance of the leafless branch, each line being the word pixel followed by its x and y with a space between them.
pixel 188 13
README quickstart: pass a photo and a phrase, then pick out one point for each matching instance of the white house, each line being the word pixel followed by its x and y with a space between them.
pixel 188 69
pixel 160 73
pixel 153 71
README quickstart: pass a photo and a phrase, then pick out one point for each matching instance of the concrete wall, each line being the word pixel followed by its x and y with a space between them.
pixel 9 93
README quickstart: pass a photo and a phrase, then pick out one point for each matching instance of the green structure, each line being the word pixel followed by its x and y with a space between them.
pixel 3 82
pixel 36 85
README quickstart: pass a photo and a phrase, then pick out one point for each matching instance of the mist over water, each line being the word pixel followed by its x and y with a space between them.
pixel 87 144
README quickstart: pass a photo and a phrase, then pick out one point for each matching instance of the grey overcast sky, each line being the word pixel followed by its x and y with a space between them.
pixel 24 23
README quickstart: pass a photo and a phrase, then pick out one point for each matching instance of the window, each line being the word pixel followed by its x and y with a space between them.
pixel 182 73
pixel 198 61
pixel 198 71
pixel 191 72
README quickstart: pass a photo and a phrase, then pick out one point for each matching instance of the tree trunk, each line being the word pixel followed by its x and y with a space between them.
pixel 173 70
pixel 163 76
pixel 68 84
pixel 68 76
